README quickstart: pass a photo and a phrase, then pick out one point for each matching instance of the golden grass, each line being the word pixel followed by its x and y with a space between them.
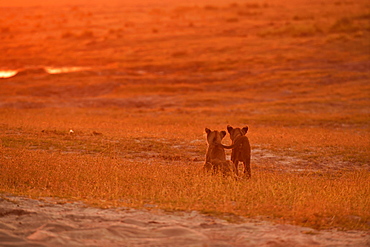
pixel 320 200
pixel 295 72
pixel 155 160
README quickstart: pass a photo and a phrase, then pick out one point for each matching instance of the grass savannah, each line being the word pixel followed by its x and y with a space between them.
pixel 127 128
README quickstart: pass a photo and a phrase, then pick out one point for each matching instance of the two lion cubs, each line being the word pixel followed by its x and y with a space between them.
pixel 241 151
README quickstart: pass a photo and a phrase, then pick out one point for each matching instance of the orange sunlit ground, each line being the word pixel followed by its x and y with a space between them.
pixel 119 93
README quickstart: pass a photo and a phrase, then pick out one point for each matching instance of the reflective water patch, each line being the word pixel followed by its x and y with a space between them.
pixel 59 70
pixel 7 73
pixel 41 70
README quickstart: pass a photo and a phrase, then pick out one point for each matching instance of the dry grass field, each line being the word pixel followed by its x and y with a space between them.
pixel 138 83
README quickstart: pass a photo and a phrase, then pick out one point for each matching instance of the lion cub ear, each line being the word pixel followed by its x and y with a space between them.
pixel 208 130
pixel 229 129
pixel 245 130
pixel 223 133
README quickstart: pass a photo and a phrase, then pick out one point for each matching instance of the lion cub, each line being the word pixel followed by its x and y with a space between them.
pixel 241 149
pixel 215 155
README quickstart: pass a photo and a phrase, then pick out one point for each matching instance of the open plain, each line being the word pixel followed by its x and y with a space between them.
pixel 103 108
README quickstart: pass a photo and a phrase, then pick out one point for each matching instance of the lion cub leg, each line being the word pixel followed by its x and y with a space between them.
pixel 208 167
pixel 235 162
pixel 247 169
pixel 247 165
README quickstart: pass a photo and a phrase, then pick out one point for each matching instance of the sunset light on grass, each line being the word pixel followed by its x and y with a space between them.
pixel 138 82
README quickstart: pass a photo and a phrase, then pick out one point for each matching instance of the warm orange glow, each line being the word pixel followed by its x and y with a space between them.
pixel 108 84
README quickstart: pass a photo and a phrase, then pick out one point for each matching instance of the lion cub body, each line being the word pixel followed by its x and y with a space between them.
pixel 215 155
pixel 241 149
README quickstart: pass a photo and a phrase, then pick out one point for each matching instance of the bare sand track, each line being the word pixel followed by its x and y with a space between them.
pixel 47 222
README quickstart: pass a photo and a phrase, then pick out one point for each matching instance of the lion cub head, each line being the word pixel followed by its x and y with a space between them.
pixel 236 132
pixel 214 136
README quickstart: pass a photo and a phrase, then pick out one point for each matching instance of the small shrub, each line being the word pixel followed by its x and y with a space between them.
pixel 210 7
pixel 252 5
pixel 5 30
pixel 179 54
pixel 231 20
pixel 86 35
pixel 344 24
pixel 68 35
pixel 293 31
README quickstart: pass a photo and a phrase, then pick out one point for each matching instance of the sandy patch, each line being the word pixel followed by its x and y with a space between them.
pixel 45 222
